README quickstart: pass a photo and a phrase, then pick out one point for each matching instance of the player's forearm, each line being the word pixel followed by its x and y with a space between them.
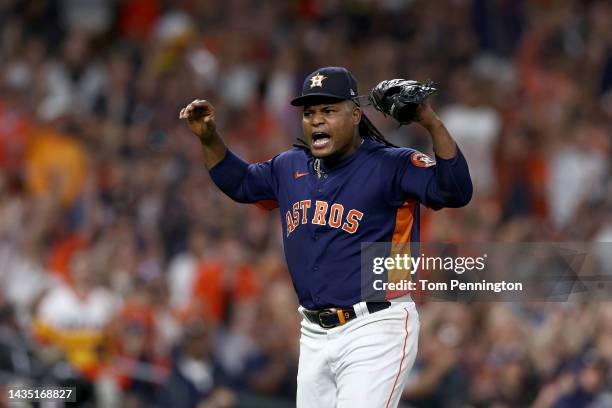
pixel 443 144
pixel 214 150
pixel 452 185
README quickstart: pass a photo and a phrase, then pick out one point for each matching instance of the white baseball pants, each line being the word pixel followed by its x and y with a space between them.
pixel 364 363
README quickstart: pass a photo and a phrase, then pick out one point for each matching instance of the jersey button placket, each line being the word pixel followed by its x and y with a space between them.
pixel 320 183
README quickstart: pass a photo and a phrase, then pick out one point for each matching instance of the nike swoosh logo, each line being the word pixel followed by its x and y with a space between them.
pixel 298 174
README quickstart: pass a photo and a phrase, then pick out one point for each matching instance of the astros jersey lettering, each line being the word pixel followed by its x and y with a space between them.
pixel 372 196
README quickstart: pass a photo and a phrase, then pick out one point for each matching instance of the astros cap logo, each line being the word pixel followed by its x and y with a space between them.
pixel 327 82
pixel 317 80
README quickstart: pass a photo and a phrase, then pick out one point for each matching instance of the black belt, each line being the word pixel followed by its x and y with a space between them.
pixel 337 316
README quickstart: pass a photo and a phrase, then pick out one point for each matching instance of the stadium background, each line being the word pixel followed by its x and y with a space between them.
pixel 123 270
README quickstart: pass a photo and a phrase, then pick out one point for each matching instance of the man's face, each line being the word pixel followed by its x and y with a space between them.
pixel 330 128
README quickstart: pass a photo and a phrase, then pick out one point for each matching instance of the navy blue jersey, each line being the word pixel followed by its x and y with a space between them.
pixel 371 196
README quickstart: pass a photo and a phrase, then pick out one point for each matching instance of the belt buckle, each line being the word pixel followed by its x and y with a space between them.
pixel 326 312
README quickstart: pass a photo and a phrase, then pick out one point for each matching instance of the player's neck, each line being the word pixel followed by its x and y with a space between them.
pixel 350 150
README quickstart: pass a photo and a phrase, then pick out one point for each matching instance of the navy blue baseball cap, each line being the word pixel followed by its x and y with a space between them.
pixel 328 82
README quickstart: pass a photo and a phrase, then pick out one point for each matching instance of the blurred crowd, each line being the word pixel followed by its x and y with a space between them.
pixel 126 273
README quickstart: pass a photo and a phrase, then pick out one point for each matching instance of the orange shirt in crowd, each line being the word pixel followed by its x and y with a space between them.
pixel 55 164
pixel 212 293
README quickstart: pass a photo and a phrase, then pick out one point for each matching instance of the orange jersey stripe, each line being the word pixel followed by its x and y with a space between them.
pixel 404 221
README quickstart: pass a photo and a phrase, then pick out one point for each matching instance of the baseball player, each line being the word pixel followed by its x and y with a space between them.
pixel 345 185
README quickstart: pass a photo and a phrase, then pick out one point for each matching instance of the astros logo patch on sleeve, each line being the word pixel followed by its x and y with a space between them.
pixel 421 160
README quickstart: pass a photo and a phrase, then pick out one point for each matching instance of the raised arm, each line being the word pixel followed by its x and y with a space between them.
pixel 443 183
pixel 452 184
pixel 242 182
pixel 200 116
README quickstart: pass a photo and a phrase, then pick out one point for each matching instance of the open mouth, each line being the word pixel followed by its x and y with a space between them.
pixel 320 139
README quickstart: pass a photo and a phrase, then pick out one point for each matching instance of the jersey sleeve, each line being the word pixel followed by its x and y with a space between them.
pixel 443 183
pixel 243 182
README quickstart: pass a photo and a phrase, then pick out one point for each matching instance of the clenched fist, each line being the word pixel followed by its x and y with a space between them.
pixel 200 115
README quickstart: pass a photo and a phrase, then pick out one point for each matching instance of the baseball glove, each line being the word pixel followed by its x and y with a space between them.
pixel 399 98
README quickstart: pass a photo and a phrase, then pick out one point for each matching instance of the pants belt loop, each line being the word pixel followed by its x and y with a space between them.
pixel 361 309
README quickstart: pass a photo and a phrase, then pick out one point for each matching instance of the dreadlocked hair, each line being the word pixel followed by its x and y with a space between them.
pixel 367 129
